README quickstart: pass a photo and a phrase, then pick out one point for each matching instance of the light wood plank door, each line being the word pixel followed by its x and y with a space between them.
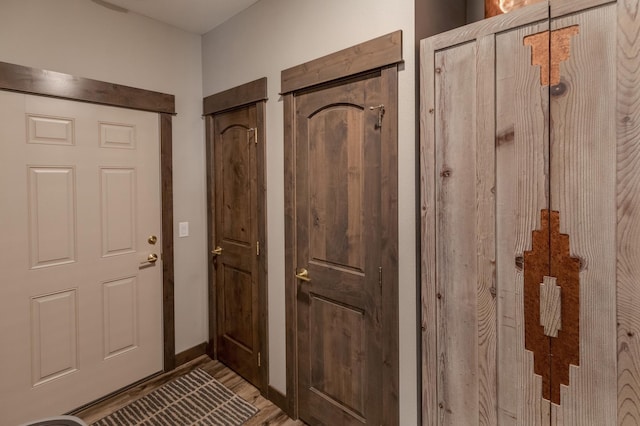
pixel 529 311
pixel 236 249
pixel 338 203
pixel 81 304
pixel 489 186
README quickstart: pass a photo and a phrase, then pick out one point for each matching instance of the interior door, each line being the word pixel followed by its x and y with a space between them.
pixel 81 293
pixel 338 203
pixel 486 183
pixel 236 249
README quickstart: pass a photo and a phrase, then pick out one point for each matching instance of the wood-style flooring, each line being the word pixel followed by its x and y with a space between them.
pixel 269 413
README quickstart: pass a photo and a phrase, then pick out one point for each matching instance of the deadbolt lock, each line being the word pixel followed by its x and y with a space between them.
pixel 152 239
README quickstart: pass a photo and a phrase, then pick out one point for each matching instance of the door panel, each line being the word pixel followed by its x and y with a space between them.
pixel 53 217
pixel 236 151
pixel 490 187
pixel 336 340
pixel 118 202
pixel 236 233
pixel 237 305
pixel 337 172
pixel 83 315
pixel 337 238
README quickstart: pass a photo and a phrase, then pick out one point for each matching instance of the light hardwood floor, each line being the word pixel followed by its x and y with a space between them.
pixel 269 413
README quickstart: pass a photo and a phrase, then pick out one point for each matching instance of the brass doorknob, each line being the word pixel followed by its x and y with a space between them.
pixel 152 258
pixel 217 251
pixel 303 275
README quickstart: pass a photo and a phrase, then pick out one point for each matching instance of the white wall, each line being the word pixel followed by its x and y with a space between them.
pixel 82 38
pixel 273 35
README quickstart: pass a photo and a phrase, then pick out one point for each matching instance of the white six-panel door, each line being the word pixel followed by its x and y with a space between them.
pixel 80 308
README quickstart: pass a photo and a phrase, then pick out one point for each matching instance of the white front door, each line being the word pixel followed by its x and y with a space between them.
pixel 80 308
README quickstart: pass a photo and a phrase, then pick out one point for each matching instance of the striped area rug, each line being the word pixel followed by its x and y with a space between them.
pixel 193 399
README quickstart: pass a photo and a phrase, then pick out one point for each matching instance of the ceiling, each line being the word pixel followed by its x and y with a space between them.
pixel 195 16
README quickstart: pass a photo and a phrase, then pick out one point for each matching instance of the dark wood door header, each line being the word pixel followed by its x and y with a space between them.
pixel 18 78
pixel 245 94
pixel 372 54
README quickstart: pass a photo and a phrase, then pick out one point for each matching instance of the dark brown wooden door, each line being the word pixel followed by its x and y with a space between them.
pixel 338 204
pixel 235 254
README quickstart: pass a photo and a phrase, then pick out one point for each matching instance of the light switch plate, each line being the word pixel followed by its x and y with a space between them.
pixel 183 229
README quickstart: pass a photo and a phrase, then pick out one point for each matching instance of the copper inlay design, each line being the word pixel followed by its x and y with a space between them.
pixel 497 7
pixel 549 63
pixel 550 256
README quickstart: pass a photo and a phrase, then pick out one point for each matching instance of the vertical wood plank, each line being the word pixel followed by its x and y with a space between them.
pixel 456 250
pixel 485 229
pixel 290 254
pixel 583 179
pixel 389 248
pixel 261 158
pixel 627 122
pixel 429 398
pixel 521 193
pixel 166 171
pixel 212 348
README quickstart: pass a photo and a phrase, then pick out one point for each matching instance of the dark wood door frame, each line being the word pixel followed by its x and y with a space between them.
pixel 253 93
pixel 383 53
pixel 33 81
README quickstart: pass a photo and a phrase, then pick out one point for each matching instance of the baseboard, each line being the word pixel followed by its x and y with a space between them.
pixel 191 354
pixel 278 399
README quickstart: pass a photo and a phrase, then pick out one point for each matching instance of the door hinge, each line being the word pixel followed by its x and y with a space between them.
pixel 380 276
pixel 259 361
pixel 257 248
pixel 255 134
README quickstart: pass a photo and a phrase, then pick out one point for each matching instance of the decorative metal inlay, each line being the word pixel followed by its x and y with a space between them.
pixel 552 305
pixel 549 62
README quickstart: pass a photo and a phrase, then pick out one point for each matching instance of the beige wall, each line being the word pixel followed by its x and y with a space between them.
pixel 81 38
pixel 276 34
